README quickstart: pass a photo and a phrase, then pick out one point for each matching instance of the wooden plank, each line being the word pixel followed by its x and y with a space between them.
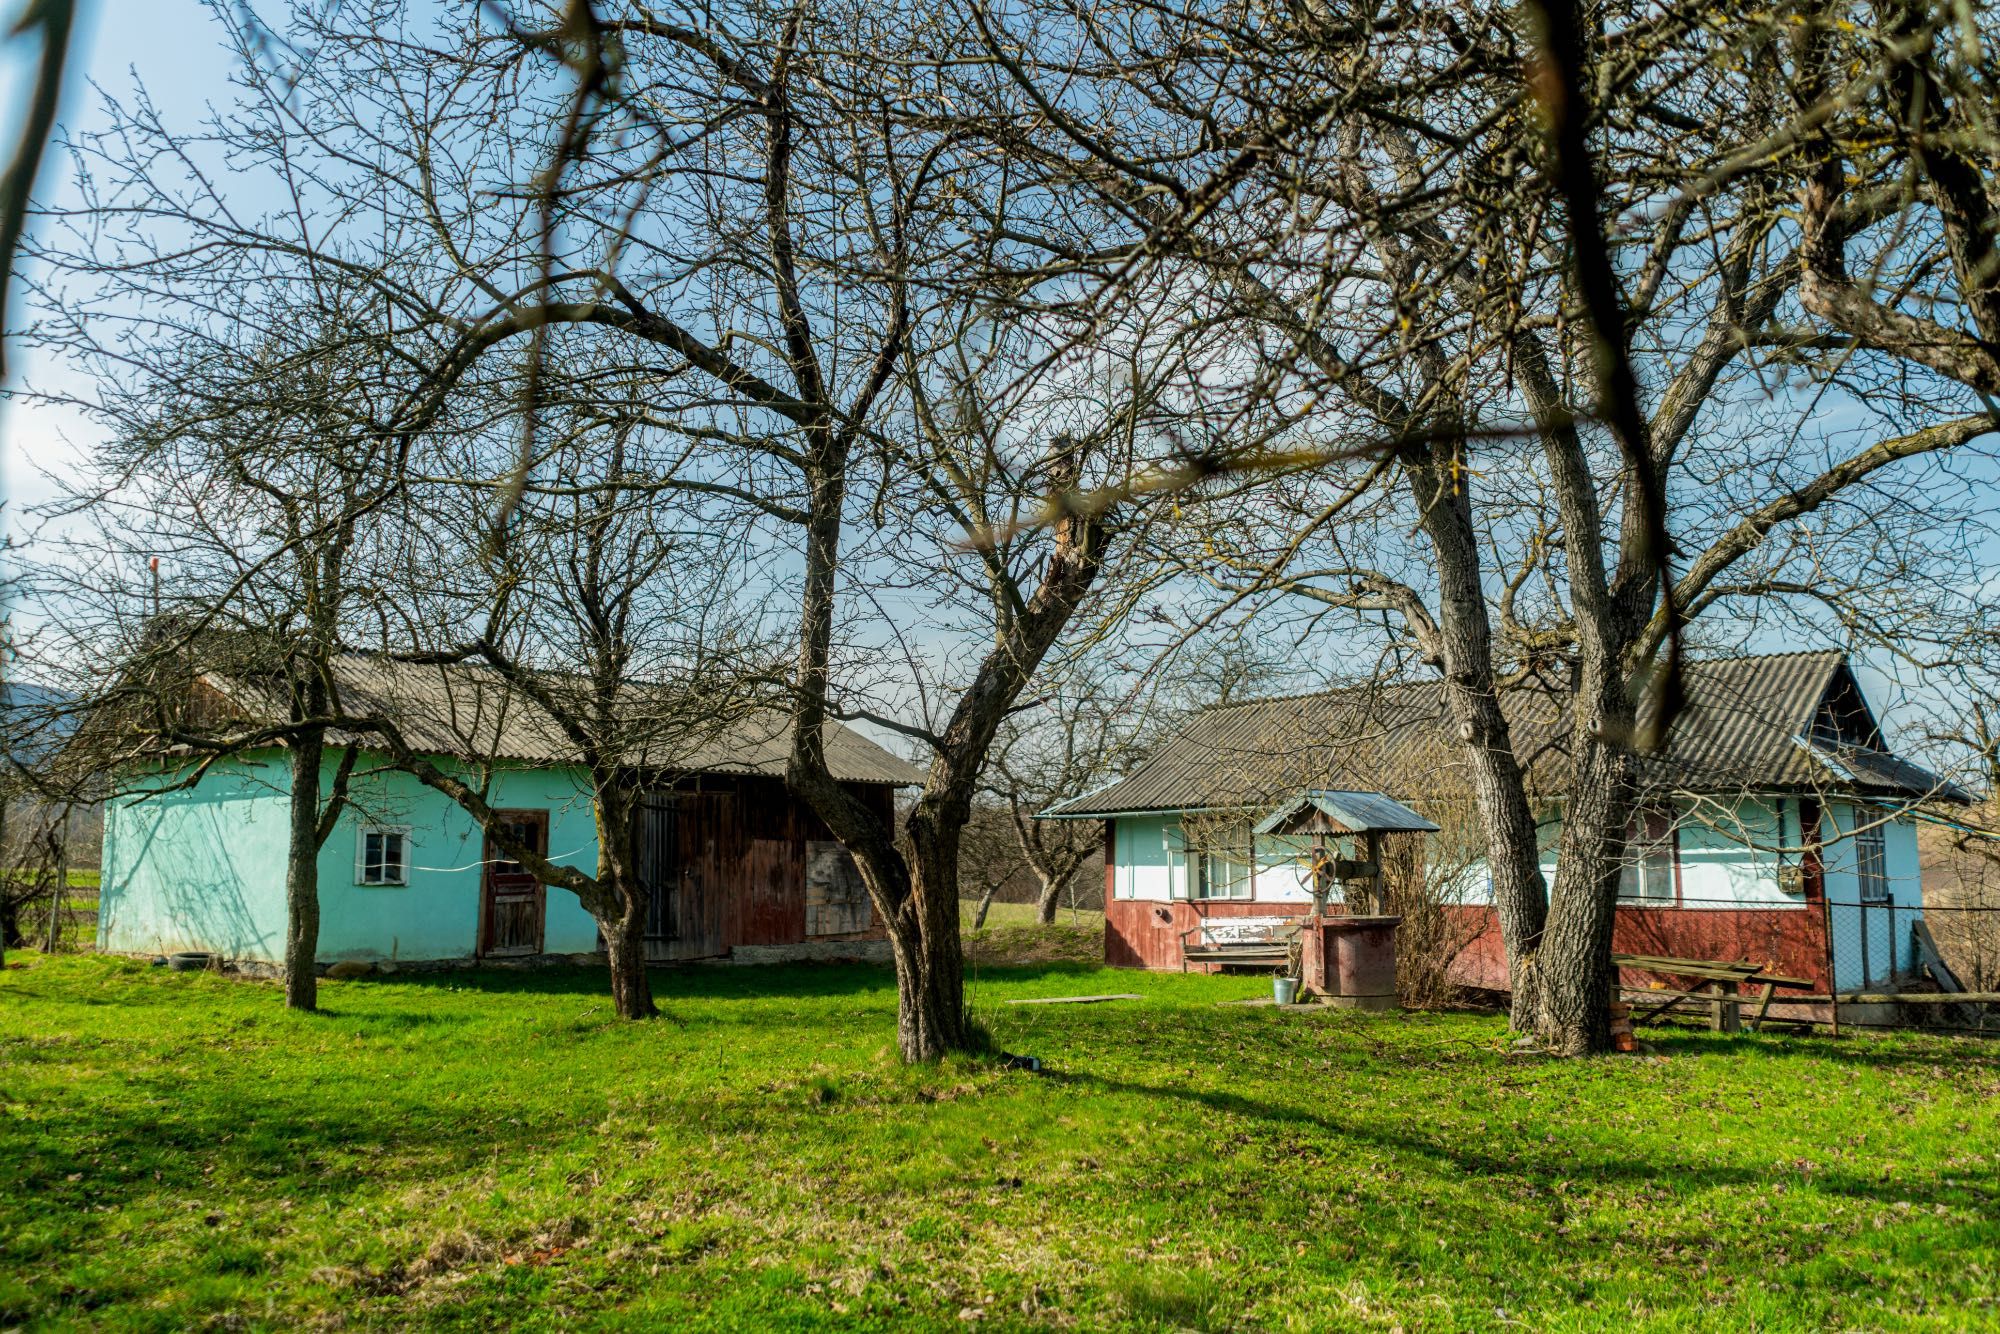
pixel 1077 1000
pixel 1763 1007
pixel 1707 970
pixel 1931 960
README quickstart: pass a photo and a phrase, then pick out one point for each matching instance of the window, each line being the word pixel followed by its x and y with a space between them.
pixel 1648 874
pixel 382 855
pixel 1224 875
pixel 1177 862
pixel 1218 858
pixel 1871 865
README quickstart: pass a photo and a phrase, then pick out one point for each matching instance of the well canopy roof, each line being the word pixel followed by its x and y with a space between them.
pixel 1350 812
pixel 1783 722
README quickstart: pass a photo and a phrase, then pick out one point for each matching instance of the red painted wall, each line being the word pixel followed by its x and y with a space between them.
pixel 1143 933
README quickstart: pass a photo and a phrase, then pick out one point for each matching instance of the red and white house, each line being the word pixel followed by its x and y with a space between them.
pixel 1777 827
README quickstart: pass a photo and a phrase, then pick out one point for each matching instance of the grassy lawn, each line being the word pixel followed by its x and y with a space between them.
pixel 1023 914
pixel 495 1150
pixel 1013 937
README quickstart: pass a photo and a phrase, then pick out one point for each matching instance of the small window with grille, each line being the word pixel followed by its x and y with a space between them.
pixel 1871 865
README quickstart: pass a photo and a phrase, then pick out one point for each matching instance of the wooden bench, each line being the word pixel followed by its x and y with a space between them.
pixel 1258 941
pixel 1724 1009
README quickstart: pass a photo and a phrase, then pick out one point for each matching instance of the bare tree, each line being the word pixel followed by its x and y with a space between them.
pixel 248 455
pixel 618 623
pixel 49 22
pixel 1527 257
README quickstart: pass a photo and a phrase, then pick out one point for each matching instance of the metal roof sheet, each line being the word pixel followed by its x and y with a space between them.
pixel 466 709
pixel 1743 729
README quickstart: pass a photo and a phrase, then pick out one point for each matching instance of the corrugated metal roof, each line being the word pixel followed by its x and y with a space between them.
pixel 465 709
pixel 1746 726
pixel 1356 812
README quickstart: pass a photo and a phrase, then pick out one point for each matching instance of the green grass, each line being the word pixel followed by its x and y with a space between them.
pixel 1023 914
pixel 495 1150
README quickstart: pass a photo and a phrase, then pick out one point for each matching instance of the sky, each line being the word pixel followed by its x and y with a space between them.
pixel 170 45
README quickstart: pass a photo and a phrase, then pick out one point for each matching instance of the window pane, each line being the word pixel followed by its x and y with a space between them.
pixel 371 859
pixel 392 859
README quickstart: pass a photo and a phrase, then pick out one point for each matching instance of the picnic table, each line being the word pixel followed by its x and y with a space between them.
pixel 1725 1010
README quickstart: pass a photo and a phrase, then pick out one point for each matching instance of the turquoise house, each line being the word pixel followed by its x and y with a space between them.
pixel 735 867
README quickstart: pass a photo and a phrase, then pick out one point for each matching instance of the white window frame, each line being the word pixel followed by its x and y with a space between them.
pixel 361 835
pixel 1224 878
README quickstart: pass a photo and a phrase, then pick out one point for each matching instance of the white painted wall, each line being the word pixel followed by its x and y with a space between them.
pixel 1729 854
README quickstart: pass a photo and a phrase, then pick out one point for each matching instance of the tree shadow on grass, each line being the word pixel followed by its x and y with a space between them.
pixel 1565 1160
pixel 691 981
pixel 774 981
pixel 1890 1051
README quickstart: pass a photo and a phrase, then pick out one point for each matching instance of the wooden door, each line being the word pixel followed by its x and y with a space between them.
pixel 511 914
pixel 696 889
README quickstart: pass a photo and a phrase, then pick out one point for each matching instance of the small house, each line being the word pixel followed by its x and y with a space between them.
pixel 735 867
pixel 1775 825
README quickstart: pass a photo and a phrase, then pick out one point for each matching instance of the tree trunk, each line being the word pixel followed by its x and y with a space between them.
pixel 302 873
pixel 1045 906
pixel 930 960
pixel 1464 641
pixel 618 901
pixel 1573 966
pixel 625 946
pixel 985 906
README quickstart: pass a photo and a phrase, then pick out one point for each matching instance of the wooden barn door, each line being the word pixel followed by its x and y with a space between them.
pixel 705 839
pixel 511 914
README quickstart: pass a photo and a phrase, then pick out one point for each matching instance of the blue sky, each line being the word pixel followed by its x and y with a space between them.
pixel 172 46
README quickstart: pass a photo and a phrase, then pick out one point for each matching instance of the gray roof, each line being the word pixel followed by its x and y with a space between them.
pixel 1785 722
pixel 465 709
pixel 1356 812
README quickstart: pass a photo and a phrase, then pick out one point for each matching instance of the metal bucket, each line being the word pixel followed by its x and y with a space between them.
pixel 1285 990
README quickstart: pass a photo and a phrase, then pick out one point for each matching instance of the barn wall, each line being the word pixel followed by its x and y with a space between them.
pixel 1146 933
pixel 743 843
pixel 204 868
pixel 1733 904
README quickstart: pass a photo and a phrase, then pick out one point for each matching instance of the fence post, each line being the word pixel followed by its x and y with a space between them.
pixel 1894 966
pixel 1832 977
pixel 1867 967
